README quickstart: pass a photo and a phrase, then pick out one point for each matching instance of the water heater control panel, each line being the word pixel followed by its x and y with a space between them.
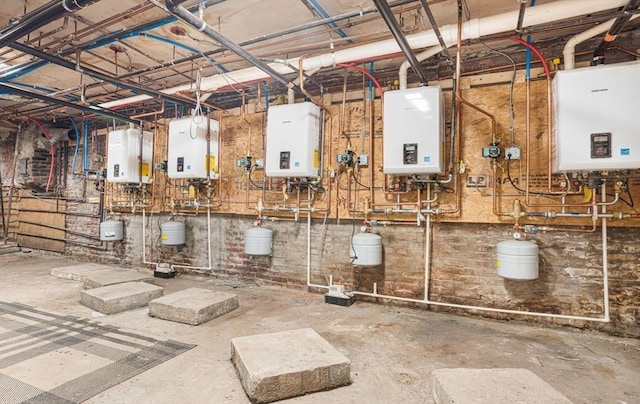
pixel 410 153
pixel 600 145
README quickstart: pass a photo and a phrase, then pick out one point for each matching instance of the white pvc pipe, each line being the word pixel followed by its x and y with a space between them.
pixel 605 256
pixel 404 67
pixel 173 267
pixel 570 48
pixel 569 51
pixel 475 28
pixel 144 239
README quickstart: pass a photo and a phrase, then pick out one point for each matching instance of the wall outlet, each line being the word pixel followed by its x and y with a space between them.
pixel 512 153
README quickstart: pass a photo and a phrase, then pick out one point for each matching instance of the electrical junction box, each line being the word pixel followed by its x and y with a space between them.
pixel 413 131
pixel 293 140
pixel 129 156
pixel 597 124
pixel 190 154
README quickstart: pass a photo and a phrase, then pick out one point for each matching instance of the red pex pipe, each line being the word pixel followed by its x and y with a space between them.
pixel 51 149
pixel 538 54
pixel 363 71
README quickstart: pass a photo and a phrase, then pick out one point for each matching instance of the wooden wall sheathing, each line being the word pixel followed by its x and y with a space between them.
pixel 243 134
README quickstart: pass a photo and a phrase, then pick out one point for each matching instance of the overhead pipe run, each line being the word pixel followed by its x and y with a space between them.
pixel 95 74
pixel 89 109
pixel 396 31
pixel 472 29
pixel 40 17
pixel 618 25
pixel 436 30
pixel 569 51
pixel 174 7
pixel 523 7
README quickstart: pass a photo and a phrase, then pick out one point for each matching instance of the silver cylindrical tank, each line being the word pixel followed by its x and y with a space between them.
pixel 173 233
pixel 258 241
pixel 367 249
pixel 517 260
pixel 111 230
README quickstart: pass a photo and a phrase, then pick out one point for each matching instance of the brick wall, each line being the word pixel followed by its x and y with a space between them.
pixel 462 271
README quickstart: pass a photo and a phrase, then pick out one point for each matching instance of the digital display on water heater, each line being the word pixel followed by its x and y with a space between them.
pixel 600 145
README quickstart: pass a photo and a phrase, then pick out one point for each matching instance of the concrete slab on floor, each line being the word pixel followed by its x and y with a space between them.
pixel 113 277
pixel 120 297
pixel 193 305
pixel 488 386
pixel 79 272
pixel 393 349
pixel 287 364
pixel 9 248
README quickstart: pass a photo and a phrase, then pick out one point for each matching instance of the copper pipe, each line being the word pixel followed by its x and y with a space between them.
pixel 187 96
pixel 243 113
pixel 301 80
pixel 455 128
pixel 494 125
pixel 496 208
pixel 549 141
pixel 95 27
pixel 153 113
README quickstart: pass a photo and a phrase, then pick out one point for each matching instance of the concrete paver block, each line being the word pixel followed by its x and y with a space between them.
pixel 193 306
pixel 287 364
pixel 120 297
pixel 78 272
pixel 113 277
pixel 489 386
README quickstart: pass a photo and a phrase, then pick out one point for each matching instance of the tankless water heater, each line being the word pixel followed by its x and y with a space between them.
pixel 129 156
pixel 597 124
pixel 293 140
pixel 193 148
pixel 413 131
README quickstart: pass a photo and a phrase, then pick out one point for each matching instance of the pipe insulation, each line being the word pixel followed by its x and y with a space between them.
pixel 475 28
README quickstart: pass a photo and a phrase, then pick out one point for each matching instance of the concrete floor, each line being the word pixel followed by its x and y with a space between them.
pixel 392 349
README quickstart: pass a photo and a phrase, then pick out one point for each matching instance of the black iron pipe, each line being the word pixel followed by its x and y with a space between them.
pixel 392 24
pixel 95 74
pixel 109 38
pixel 174 7
pixel 523 7
pixel 436 30
pixel 618 25
pixel 39 18
pixel 88 109
pixel 263 38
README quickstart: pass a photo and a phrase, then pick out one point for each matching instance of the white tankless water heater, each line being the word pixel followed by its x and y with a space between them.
pixel 188 156
pixel 129 156
pixel 293 140
pixel 413 131
pixel 597 124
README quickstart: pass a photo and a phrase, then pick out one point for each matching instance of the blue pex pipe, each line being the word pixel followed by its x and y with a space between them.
pixel 527 74
pixel 322 11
